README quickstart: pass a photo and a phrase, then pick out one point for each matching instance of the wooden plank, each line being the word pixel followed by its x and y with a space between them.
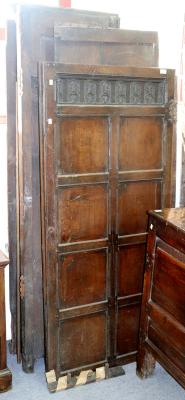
pixel 35 45
pixel 13 232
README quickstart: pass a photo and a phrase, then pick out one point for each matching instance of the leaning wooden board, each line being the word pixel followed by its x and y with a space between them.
pixel 35 42
pixel 107 156
pixel 162 328
pixel 36 45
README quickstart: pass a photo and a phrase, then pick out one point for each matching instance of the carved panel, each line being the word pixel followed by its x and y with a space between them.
pixel 109 91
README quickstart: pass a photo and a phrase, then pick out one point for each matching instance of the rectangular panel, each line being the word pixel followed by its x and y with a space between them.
pixel 140 143
pixel 82 278
pixel 120 91
pixel 106 46
pixel 162 341
pixel 130 269
pixel 83 145
pixel 82 213
pixel 82 341
pixel 169 283
pixel 135 199
pixel 128 327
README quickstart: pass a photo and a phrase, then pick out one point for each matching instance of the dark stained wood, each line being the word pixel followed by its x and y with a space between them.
pixel 106 46
pixel 56 27
pixel 35 45
pixel 162 327
pixel 11 68
pixel 5 374
pixel 94 206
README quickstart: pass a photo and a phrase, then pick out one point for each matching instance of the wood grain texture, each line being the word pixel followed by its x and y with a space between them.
pixel 11 71
pixel 33 46
pixel 162 328
pixel 5 374
pixel 94 215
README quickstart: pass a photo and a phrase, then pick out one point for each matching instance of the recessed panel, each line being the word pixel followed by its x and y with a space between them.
pixel 135 199
pixel 128 329
pixel 168 289
pixel 82 278
pixel 82 341
pixel 82 213
pixel 83 145
pixel 140 143
pixel 130 269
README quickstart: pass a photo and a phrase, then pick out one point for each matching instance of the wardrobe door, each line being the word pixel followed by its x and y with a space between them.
pixel 106 158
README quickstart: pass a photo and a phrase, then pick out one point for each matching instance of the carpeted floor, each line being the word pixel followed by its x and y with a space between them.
pixel 129 387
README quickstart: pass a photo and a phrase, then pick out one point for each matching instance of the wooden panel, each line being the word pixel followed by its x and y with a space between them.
pixel 127 329
pixel 135 199
pixel 130 269
pixel 141 138
pixel 169 274
pixel 82 341
pixel 105 46
pixel 82 278
pixel 162 327
pixel 163 342
pixel 12 173
pixel 92 206
pixel 82 213
pixel 109 90
pixel 77 139
pixel 35 45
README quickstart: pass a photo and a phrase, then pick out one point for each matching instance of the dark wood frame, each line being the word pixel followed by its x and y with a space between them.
pixel 164 227
pixel 5 374
pixel 49 72
pixel 33 46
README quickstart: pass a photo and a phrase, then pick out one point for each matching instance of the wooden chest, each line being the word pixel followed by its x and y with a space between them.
pixel 5 374
pixel 162 328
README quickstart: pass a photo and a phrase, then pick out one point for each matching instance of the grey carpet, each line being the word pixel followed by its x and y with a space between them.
pixel 129 387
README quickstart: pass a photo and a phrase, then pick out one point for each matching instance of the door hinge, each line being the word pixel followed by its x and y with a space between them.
pixel 21 287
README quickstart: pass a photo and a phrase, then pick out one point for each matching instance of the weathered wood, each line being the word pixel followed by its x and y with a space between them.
pixel 11 68
pixel 92 218
pixel 5 374
pixel 35 45
pixel 162 327
pixel 106 46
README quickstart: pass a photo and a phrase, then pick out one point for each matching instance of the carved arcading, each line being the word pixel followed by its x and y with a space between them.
pixel 108 91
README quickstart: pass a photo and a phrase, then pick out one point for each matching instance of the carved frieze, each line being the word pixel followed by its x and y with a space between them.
pixel 108 91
